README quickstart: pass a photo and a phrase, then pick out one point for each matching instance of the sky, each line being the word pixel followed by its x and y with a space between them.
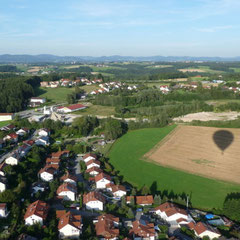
pixel 120 27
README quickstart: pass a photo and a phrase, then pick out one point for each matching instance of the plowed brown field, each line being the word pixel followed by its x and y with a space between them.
pixel 196 150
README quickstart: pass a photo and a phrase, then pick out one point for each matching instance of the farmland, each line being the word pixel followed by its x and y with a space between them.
pixel 4 123
pixel 127 154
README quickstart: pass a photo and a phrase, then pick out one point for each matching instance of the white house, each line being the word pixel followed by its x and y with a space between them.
pixel 143 231
pixel 3 182
pixel 94 171
pixel 102 180
pixel 36 213
pixel 94 201
pixel 201 230
pixel 118 191
pixel 43 141
pixel 43 132
pixel 13 159
pixel 47 173
pixel 13 137
pixel 93 163
pixel 22 131
pixel 67 191
pixel 37 100
pixel 88 157
pixel 68 178
pixel 70 225
pixel 71 108
pixel 6 117
pixel 174 215
pixel 3 210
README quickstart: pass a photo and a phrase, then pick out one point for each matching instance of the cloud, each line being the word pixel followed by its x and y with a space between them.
pixel 215 29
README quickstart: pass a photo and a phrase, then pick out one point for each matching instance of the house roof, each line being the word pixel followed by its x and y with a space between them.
pixel 128 198
pixel 13 135
pixel 3 205
pixel 116 188
pixel 38 208
pixel 201 227
pixel 105 226
pixel 2 166
pixel 89 155
pixel 51 169
pixel 6 114
pixel 59 154
pixel 141 230
pixel 75 106
pixel 93 196
pixel 101 176
pixel 96 169
pixel 53 160
pixel 66 187
pixel 170 209
pixel 93 161
pixel 68 176
pixel 69 218
pixel 144 199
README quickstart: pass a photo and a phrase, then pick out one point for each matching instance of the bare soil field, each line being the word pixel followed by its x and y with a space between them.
pixel 206 151
pixel 208 116
pixel 192 70
pixel 34 69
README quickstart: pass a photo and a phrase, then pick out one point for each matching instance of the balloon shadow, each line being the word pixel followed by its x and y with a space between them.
pixel 223 139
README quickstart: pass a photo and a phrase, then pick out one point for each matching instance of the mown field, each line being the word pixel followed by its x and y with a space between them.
pixel 126 156
pixel 4 123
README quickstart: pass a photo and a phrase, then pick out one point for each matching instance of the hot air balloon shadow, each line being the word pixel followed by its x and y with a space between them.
pixel 223 139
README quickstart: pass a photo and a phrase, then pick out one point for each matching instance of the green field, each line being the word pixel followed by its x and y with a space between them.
pixel 97 110
pixel 4 123
pixel 126 156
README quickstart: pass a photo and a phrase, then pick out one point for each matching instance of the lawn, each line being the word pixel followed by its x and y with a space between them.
pixel 54 95
pixel 4 123
pixel 97 110
pixel 126 156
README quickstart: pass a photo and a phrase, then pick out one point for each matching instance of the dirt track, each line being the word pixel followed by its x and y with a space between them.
pixel 194 150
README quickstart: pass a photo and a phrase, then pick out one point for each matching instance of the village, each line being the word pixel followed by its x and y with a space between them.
pixel 83 197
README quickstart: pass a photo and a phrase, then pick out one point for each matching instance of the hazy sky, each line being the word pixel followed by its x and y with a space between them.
pixel 120 27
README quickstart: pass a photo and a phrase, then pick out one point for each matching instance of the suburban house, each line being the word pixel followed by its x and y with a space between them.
pixel 94 171
pixel 143 230
pixel 36 213
pixel 60 154
pixel 6 117
pixel 118 191
pixel 67 191
pixel 22 131
pixel 36 101
pixel 12 137
pixel 88 157
pixel 71 108
pixel 3 183
pixel 47 173
pixel 39 186
pixel 107 227
pixel 9 127
pixel 102 180
pixel 43 141
pixel 53 161
pixel 2 166
pixel 174 215
pixel 44 132
pixel 13 159
pixel 68 178
pixel 201 230
pixel 94 201
pixel 69 224
pixel 93 163
pixel 144 200
pixel 3 210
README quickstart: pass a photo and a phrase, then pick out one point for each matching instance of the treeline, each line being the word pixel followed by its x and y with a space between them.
pixel 15 93
pixel 8 68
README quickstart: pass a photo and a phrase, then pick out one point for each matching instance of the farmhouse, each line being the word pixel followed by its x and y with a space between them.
pixel 107 227
pixel 6 117
pixel 102 180
pixel 36 213
pixel 69 225
pixel 71 108
pixel 144 200
pixel 174 215
pixel 67 191
pixel 94 201
pixel 201 230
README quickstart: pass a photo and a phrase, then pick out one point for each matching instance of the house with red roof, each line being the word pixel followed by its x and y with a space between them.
pixel 118 191
pixel 13 137
pixel 144 200
pixel 36 213
pixel 173 214
pixel 89 156
pixel 94 201
pixel 102 180
pixel 94 171
pixel 47 173
pixel 69 225
pixel 107 227
pixel 69 178
pixel 67 191
pixel 3 210
pixel 71 108
pixel 93 163
pixel 204 230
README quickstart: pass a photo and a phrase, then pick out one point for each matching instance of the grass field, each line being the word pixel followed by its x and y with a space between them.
pixel 126 156
pixel 97 110
pixel 4 123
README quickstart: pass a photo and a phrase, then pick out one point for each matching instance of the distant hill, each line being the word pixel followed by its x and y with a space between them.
pixel 48 58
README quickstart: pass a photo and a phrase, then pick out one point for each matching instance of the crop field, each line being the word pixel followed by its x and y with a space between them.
pixel 192 70
pixel 205 151
pixel 127 156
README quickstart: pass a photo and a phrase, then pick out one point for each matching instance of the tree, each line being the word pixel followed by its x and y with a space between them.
pixel 113 129
pixel 145 190
pixel 157 199
pixel 130 213
pixel 7 196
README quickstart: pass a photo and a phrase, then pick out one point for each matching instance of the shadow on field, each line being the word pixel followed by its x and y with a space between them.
pixel 223 139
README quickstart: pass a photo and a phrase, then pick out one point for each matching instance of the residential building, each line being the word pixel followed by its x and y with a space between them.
pixel 2 166
pixel 71 108
pixel 47 173
pixel 12 137
pixel 94 171
pixel 94 201
pixel 67 191
pixel 3 183
pixel 22 131
pixel 3 210
pixel 93 163
pixel 68 178
pixel 36 213
pixel 43 141
pixel 13 159
pixel 144 200
pixel 44 132
pixel 102 180
pixel 143 230
pixel 69 225
pixel 89 156
pixel 6 117
pixel 118 191
pixel 36 101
